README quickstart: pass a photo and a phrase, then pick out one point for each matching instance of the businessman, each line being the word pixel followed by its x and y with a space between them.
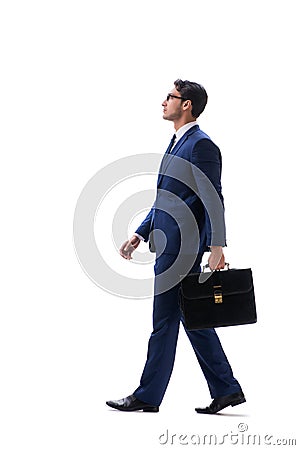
pixel 185 221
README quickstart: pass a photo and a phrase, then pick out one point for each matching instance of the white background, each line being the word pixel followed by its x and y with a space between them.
pixel 81 86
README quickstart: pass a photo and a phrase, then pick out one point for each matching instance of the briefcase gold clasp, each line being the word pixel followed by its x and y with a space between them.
pixel 218 295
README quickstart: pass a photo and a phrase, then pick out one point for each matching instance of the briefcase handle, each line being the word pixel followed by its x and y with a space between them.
pixel 206 266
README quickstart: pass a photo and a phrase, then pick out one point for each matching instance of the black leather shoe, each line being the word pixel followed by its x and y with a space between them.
pixel 131 403
pixel 222 402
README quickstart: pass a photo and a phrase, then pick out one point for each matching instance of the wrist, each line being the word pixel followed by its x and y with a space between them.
pixel 138 236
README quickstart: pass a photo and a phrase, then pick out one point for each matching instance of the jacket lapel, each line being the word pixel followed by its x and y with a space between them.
pixel 168 157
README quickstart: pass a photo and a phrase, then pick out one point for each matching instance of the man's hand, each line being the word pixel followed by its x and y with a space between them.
pixel 216 258
pixel 129 246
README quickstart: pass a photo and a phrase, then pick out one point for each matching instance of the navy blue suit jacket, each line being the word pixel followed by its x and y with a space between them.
pixel 188 211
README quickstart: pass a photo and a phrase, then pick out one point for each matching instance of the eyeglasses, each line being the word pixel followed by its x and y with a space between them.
pixel 174 96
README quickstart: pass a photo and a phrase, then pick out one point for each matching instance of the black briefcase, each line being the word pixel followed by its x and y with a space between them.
pixel 218 299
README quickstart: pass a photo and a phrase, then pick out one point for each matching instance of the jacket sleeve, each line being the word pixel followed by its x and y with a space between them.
pixel 145 227
pixel 207 166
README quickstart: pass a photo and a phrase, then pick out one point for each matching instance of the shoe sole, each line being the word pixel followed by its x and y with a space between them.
pixel 151 409
pixel 146 409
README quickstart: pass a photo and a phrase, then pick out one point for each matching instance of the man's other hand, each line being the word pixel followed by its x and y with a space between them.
pixel 129 246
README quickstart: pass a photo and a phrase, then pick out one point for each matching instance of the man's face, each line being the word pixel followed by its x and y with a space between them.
pixel 172 107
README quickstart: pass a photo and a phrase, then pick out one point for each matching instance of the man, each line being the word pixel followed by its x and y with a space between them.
pixel 185 221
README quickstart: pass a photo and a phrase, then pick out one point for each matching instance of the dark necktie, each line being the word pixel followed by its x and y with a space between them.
pixel 165 157
pixel 171 144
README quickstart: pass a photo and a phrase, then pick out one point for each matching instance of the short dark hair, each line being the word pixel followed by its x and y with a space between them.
pixel 195 92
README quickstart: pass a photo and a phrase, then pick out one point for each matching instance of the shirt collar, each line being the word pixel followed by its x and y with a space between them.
pixel 182 130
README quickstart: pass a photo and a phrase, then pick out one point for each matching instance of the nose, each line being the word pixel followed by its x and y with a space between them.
pixel 164 103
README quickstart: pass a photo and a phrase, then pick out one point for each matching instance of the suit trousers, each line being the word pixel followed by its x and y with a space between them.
pixel 163 340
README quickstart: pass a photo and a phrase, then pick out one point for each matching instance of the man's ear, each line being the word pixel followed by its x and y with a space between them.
pixel 187 104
